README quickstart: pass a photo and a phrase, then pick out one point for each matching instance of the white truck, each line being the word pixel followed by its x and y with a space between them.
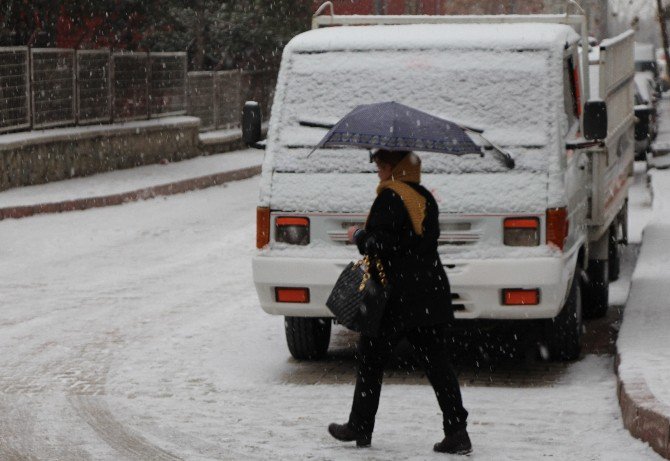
pixel 536 243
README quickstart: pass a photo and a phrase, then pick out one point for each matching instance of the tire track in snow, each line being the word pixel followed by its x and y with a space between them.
pixel 15 430
pixel 27 432
pixel 130 443
pixel 96 413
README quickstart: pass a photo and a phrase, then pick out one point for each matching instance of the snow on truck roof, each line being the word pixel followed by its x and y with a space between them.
pixel 435 36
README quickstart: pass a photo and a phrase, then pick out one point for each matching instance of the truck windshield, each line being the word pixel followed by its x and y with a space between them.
pixel 509 93
pixel 513 95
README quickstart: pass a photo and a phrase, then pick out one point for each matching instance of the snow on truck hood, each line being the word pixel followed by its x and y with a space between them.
pixel 343 181
pixel 354 193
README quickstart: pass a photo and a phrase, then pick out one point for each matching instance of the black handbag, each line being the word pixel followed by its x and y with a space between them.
pixel 358 300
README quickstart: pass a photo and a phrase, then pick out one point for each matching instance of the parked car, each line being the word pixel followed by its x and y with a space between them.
pixel 648 88
pixel 650 94
pixel 645 58
pixel 643 114
pixel 537 243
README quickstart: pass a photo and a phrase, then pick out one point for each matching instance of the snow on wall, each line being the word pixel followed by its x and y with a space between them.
pixel 505 79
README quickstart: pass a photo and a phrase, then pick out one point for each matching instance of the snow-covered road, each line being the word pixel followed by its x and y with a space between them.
pixel 134 332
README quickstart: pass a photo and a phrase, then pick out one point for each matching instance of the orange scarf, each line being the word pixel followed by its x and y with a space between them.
pixel 408 170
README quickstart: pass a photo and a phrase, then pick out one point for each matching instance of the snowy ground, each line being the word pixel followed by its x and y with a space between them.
pixel 134 332
pixel 648 315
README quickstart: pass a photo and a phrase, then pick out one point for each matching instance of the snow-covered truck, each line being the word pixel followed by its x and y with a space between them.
pixel 536 243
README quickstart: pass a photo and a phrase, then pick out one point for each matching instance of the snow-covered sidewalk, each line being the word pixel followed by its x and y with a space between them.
pixel 644 340
pixel 124 181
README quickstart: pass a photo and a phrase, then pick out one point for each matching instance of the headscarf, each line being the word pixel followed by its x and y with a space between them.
pixel 408 170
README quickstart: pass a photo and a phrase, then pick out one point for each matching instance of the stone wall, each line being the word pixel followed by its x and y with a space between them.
pixel 38 157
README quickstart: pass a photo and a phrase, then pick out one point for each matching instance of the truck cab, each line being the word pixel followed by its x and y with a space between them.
pixel 531 243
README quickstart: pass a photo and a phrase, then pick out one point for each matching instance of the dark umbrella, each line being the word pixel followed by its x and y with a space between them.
pixel 397 127
pixel 394 126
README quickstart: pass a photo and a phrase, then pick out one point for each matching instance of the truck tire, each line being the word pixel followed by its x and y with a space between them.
pixel 596 291
pixel 614 255
pixel 563 333
pixel 307 337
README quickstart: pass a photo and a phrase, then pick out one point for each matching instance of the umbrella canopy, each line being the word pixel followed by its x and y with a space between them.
pixel 394 126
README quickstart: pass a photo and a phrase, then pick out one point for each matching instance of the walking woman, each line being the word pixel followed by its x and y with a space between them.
pixel 402 231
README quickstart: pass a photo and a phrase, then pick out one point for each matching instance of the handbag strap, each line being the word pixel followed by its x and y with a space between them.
pixel 365 264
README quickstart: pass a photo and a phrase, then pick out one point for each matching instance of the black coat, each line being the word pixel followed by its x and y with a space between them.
pixel 420 294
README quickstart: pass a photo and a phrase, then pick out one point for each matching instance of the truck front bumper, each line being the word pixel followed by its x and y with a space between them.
pixel 476 285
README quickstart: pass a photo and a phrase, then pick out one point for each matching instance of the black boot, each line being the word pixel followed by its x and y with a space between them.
pixel 457 443
pixel 346 434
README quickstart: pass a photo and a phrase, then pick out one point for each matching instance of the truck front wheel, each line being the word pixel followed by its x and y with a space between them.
pixel 563 333
pixel 307 337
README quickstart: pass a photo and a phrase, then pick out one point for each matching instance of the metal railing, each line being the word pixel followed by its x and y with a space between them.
pixel 130 87
pixel 49 87
pixel 616 86
pixel 167 84
pixel 201 96
pixel 94 90
pixel 217 97
pixel 52 81
pixel 14 89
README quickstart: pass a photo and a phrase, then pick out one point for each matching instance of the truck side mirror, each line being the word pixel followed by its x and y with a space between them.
pixel 595 120
pixel 642 119
pixel 251 123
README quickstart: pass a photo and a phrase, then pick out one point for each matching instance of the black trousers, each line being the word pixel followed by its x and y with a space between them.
pixel 430 344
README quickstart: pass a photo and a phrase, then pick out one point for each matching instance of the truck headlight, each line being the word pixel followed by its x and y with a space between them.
pixel 521 232
pixel 293 230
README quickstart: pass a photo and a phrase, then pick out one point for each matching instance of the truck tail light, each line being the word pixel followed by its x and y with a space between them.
pixel 519 297
pixel 557 227
pixel 293 230
pixel 292 295
pixel 262 226
pixel 521 232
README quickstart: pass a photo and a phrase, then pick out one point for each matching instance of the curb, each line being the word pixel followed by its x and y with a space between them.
pixel 178 187
pixel 643 415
